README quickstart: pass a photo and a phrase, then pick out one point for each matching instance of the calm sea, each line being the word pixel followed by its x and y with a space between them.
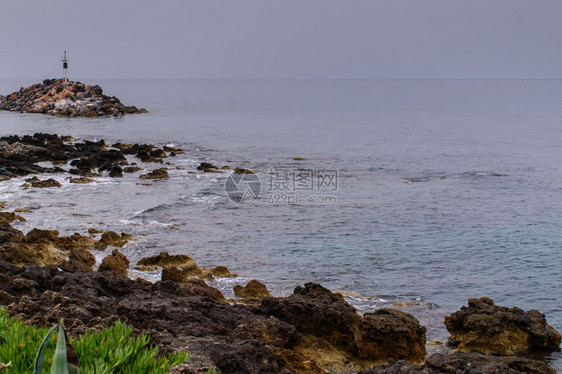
pixel 418 191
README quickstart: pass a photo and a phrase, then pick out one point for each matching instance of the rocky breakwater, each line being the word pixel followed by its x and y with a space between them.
pixel 70 99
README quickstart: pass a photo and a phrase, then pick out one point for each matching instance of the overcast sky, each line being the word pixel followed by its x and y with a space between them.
pixel 282 38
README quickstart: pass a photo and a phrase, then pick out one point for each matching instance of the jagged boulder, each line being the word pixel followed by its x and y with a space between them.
pixel 390 334
pixel 487 328
pixel 116 262
pixel 334 321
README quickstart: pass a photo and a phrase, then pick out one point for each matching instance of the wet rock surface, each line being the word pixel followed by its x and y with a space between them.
pixel 46 247
pixel 20 156
pixel 487 328
pixel 70 99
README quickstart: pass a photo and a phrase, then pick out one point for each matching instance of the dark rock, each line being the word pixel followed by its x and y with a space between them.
pixel 317 291
pixel 116 171
pixel 131 169
pixel 334 321
pixel 390 333
pixel 243 171
pixel 487 328
pixel 253 289
pixel 208 167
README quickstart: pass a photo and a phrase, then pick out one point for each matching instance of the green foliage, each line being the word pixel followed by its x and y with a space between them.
pixel 109 351
pixel 19 344
pixel 114 351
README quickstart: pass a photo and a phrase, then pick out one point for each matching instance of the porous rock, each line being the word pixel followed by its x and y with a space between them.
pixel 487 328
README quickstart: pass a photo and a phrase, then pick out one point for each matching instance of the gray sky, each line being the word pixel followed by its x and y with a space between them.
pixel 282 38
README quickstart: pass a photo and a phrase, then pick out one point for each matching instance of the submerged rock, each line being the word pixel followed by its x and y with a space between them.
pixel 35 182
pixel 487 328
pixel 60 98
pixel 208 168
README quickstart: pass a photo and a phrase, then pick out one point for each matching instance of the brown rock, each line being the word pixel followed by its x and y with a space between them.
pixel 161 173
pixel 222 272
pixel 9 217
pixel 81 180
pixel 80 260
pixel 75 241
pixel 111 238
pixel 253 289
pixel 10 234
pixel 487 328
pixel 243 171
pixel 181 275
pixel 390 334
pixel 115 262
pixel 37 235
pixel 46 183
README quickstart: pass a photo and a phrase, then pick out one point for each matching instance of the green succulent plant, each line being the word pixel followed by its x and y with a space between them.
pixel 60 359
pixel 29 349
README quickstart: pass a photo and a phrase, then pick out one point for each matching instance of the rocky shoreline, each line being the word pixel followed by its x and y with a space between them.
pixel 71 99
pixel 45 276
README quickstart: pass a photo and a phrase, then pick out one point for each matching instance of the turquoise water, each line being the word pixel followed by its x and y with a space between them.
pixel 446 190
